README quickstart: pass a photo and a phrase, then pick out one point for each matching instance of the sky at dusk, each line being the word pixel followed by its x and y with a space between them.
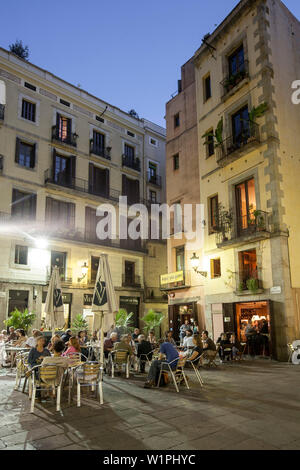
pixel 128 53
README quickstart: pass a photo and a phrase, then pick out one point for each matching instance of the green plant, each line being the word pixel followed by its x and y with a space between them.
pixel 257 111
pixel 252 284
pixel 21 319
pixel 79 323
pixel 152 320
pixel 241 287
pixel 217 136
pixel 18 49
pixel 124 320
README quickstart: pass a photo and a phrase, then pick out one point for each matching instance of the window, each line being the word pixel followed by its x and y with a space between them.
pixel 91 221
pixel 245 204
pixel 213 214
pixel 240 127
pixel 98 142
pixel 131 134
pixel 176 120
pixel 60 213
pixel 64 126
pixel 25 154
pixel 248 267
pixel 62 170
pixel 153 196
pixel 129 151
pixel 153 141
pixel 236 61
pixel 179 253
pixel 100 119
pixel 21 255
pixel 98 180
pixel 210 143
pixel 131 189
pixel 23 205
pixel 176 162
pixel 65 103
pixel 129 273
pixel 59 259
pixel 177 217
pixel 207 88
pixel 215 268
pixel 28 110
pixel 152 172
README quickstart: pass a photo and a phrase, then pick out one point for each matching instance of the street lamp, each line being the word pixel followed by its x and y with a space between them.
pixel 84 271
pixel 195 265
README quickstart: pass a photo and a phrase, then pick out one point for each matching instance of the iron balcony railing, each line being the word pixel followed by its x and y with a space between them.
pixel 154 294
pixel 69 139
pixel 231 81
pixel 154 179
pixel 65 274
pixel 238 142
pixel 131 281
pixel 100 151
pixel 131 162
pixel 79 184
pixel 254 223
pixel 2 109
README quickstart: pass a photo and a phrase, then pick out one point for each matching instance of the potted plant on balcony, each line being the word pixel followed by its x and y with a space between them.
pixel 252 285
pixel 259 220
pixel 217 136
pixel 255 113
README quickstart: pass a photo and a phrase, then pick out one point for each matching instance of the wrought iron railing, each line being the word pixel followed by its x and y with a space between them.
pixel 154 179
pixel 253 223
pixel 131 162
pixel 2 109
pixel 131 281
pixel 238 142
pixel 69 138
pixel 100 151
pixel 231 81
pixel 154 294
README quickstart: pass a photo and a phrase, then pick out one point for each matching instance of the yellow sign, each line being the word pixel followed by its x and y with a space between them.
pixel 171 278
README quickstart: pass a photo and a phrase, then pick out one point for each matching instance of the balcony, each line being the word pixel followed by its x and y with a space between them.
pixel 154 295
pixel 79 184
pixel 68 139
pixel 131 162
pixel 231 82
pixel 153 179
pixel 131 281
pixel 236 146
pixel 175 281
pixel 237 230
pixel 65 275
pixel 2 109
pixel 100 151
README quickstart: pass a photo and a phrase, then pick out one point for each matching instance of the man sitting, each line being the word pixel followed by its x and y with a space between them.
pixel 109 343
pixel 188 340
pixel 66 336
pixel 135 334
pixel 209 346
pixel 166 349
pixel 12 334
pixel 31 341
pixel 124 345
pixel 144 350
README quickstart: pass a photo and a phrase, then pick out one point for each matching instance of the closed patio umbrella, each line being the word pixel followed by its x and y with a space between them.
pixel 54 307
pixel 104 302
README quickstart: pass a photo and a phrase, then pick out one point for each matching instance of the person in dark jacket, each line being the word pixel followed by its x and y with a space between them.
pixel 144 350
pixel 66 336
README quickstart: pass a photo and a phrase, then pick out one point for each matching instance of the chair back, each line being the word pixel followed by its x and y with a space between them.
pixel 90 371
pixel 120 356
pixel 74 359
pixel 181 362
pixel 49 374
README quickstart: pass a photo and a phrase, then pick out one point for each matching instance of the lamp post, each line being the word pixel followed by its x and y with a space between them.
pixel 195 265
pixel 84 271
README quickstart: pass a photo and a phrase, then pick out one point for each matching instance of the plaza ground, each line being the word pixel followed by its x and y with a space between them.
pixel 248 405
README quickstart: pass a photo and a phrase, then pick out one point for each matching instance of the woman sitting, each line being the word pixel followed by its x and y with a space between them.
pixel 224 343
pixel 37 353
pixel 73 346
pixel 22 338
pixel 235 346
pixel 53 340
pixel 197 349
pixel 169 337
pixel 83 339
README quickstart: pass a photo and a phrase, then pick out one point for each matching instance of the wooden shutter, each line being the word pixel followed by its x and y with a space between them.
pixel 49 209
pixel 229 314
pixel 71 211
pixel 32 156
pixel 91 178
pixel 33 206
pixel 53 164
pixel 107 182
pixel 17 154
pixel 124 185
pixel 73 168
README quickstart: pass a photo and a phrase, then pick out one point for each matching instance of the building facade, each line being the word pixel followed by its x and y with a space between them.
pixel 63 152
pixel 248 156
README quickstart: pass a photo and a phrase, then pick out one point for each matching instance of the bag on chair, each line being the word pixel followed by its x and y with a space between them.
pixel 164 379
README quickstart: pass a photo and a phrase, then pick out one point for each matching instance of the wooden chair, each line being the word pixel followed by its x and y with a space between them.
pixel 177 375
pixel 89 374
pixel 47 377
pixel 119 358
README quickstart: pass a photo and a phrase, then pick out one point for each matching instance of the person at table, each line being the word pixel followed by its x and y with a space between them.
pixel 223 343
pixel 57 359
pixel 124 345
pixel 195 328
pixel 135 334
pixel 170 353
pixel 169 337
pixel 197 349
pixel 73 347
pixel 235 346
pixel 3 336
pixel 66 336
pixel 144 351
pixel 22 338
pixel 37 353
pixel 188 340
pixel 94 337
pixel 151 338
pixel 109 343
pixel 53 339
pixel 12 336
pixel 31 341
pixel 82 338
pixel 184 327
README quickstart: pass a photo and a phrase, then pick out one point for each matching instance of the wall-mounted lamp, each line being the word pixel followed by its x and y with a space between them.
pixel 35 293
pixel 195 265
pixel 84 270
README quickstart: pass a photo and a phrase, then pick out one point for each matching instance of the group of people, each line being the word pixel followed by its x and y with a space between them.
pixel 256 334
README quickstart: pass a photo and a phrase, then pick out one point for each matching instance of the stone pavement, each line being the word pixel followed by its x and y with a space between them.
pixel 251 405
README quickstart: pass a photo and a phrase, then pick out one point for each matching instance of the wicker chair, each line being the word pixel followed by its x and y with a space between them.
pixel 195 366
pixel 47 377
pixel 177 375
pixel 89 374
pixel 119 358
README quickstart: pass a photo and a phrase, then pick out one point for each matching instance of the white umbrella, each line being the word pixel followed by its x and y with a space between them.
pixel 104 302
pixel 54 307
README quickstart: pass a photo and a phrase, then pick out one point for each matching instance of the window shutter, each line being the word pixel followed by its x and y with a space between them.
pixel 17 155
pixel 69 127
pixel 71 211
pixel 91 178
pixel 107 182
pixel 73 168
pixel 53 164
pixel 32 156
pixel 124 185
pixel 33 206
pixel 48 209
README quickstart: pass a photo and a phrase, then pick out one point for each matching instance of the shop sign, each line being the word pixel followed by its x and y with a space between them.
pixel 275 290
pixel 227 319
pixel 87 299
pixel 171 278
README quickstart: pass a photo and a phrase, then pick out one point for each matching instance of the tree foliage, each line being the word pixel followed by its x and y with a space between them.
pixel 18 49
pixel 79 323
pixel 20 319
pixel 152 319
pixel 124 320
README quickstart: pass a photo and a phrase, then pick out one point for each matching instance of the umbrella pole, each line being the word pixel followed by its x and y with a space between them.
pixel 101 355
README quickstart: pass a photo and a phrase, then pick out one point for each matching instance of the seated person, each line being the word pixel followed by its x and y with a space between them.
pixel 57 359
pixel 37 353
pixel 124 345
pixel 151 338
pixel 73 346
pixel 66 336
pixel 83 339
pixel 170 352
pixel 3 336
pixel 169 337
pixel 235 346
pixel 208 344
pixel 197 349
pixel 224 343
pixel 109 343
pixel 135 334
pixel 22 338
pixel 188 340
pixel 12 336
pixel 54 338
pixel 144 350
pixel 31 341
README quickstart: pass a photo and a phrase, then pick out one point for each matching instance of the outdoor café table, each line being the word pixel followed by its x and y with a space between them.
pixel 14 349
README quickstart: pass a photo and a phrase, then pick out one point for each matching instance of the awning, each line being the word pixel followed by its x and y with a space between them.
pixel 184 301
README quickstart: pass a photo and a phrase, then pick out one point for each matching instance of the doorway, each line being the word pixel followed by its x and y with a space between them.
pixel 17 299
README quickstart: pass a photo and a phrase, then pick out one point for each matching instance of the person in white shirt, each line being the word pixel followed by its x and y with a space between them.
pixel 31 341
pixel 188 340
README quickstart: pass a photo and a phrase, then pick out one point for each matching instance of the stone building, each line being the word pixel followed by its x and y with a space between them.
pixel 63 152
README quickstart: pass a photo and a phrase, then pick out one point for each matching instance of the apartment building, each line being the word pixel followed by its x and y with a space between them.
pixel 184 286
pixel 63 152
pixel 249 168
